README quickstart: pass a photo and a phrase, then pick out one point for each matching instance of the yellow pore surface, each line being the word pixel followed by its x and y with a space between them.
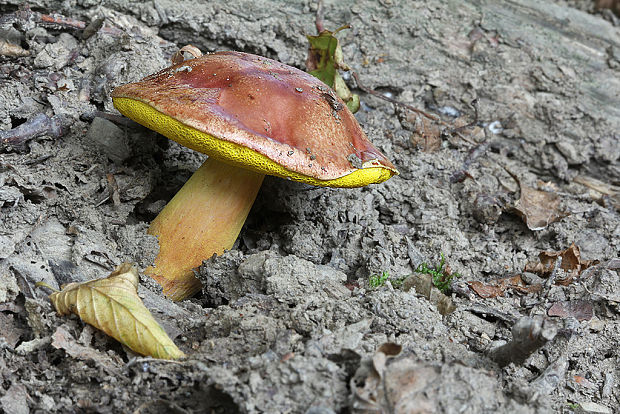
pixel 233 153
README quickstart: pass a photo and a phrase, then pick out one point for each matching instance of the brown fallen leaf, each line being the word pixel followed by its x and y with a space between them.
pixel 498 287
pixel 366 384
pixel 578 309
pixel 422 283
pixel 571 264
pixel 537 208
pixel 426 135
pixel 112 304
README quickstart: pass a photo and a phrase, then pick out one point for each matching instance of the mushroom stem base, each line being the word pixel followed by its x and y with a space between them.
pixel 204 218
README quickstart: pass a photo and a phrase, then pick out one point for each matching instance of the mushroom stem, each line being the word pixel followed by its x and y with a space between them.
pixel 204 218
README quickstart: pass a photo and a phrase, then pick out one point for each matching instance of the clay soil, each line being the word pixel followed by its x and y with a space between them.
pixel 288 319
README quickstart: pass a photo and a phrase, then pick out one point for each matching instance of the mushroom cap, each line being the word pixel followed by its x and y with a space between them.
pixel 259 114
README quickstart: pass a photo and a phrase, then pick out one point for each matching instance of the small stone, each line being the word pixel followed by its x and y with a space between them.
pixel 109 139
pixel 593 408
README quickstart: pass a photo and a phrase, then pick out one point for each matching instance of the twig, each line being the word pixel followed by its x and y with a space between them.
pixel 474 154
pixel 60 20
pixel 16 138
pixel 394 101
pixel 473 123
pixel 25 17
pixel 451 128
pixel 319 22
pixel 554 274
pixel 528 335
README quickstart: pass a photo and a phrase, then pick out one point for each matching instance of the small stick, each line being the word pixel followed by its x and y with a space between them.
pixel 319 22
pixel 553 276
pixel 60 20
pixel 528 335
pixel 435 118
pixel 394 101
pixel 16 138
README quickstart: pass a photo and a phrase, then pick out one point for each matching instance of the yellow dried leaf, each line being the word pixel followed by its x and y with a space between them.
pixel 112 304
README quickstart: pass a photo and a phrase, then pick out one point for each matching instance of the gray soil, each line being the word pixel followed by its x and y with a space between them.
pixel 288 321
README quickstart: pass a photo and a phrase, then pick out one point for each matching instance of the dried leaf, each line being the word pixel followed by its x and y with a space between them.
pixel 178 56
pixel 499 287
pixel 571 264
pixel 579 309
pixel 9 49
pixel 323 61
pixel 366 384
pixel 404 386
pixel 422 283
pixel 112 304
pixel 426 135
pixel 384 352
pixel 538 209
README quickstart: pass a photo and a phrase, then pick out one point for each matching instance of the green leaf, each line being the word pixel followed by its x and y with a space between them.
pixel 324 59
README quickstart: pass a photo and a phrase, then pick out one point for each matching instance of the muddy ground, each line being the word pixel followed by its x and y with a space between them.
pixel 288 319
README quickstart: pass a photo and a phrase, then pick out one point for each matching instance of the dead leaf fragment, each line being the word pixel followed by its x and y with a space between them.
pixel 422 283
pixel 578 309
pixel 537 208
pixel 112 304
pixel 11 50
pixel 426 135
pixel 366 383
pixel 600 191
pixel 571 264
pixel 498 287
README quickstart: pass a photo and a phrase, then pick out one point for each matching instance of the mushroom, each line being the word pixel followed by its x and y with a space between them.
pixel 252 116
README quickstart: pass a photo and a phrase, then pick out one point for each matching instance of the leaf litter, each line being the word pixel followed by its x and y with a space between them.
pixel 571 264
pixel 112 305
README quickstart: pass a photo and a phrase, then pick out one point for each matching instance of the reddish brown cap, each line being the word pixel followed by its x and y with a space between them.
pixel 273 109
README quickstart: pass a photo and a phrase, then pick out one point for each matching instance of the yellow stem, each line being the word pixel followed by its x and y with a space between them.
pixel 204 218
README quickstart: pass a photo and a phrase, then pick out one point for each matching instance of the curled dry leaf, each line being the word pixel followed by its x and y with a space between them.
pixel 537 208
pixel 12 50
pixel 571 264
pixel 178 57
pixel 399 386
pixel 498 287
pixel 112 304
pixel 366 384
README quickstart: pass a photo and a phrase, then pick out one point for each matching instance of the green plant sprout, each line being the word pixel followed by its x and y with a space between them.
pixel 442 278
pixel 375 280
